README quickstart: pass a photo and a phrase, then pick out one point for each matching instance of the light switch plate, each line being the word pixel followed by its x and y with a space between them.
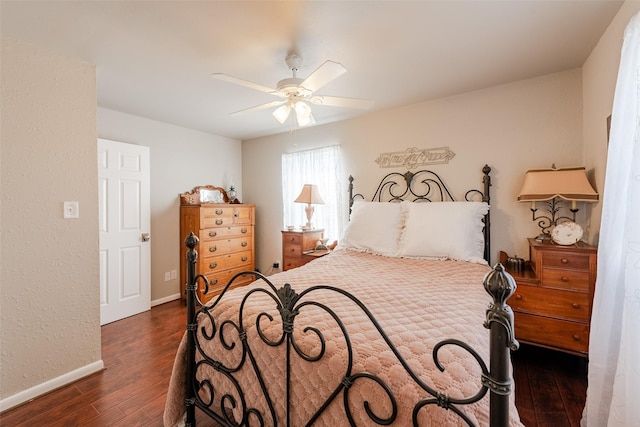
pixel 71 210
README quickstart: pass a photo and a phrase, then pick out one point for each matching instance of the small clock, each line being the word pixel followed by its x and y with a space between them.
pixel 566 233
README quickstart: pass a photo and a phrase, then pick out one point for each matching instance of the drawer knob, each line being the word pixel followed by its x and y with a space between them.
pixel 213 248
pixel 244 258
pixel 218 211
pixel 243 244
pixel 213 233
pixel 292 250
pixel 213 265
pixel 213 282
pixel 219 222
pixel 576 337
pixel 518 297
pixel 575 305
pixel 243 230
pixel 564 279
pixel 564 261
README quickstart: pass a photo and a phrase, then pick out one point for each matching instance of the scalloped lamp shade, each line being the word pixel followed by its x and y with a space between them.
pixel 545 184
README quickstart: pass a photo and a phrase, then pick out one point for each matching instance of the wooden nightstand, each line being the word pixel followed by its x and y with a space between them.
pixel 297 247
pixel 552 304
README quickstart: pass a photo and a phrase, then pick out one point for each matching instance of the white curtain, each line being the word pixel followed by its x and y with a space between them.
pixel 322 167
pixel 613 394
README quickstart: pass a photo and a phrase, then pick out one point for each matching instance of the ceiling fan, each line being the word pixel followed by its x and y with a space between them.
pixel 295 93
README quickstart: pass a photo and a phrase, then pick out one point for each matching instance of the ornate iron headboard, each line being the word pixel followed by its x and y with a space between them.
pixel 427 186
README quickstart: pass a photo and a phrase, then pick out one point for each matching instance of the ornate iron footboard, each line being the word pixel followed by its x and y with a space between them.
pixel 287 303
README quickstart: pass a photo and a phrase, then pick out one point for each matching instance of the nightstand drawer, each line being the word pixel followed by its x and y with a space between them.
pixel 552 332
pixel 292 251
pixel 290 263
pixel 294 238
pixel 565 279
pixel 551 302
pixel 565 260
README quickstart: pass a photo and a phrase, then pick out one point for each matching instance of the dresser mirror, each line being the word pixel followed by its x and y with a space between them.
pixel 204 194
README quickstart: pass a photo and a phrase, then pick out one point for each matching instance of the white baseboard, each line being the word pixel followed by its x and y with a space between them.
pixel 47 386
pixel 165 299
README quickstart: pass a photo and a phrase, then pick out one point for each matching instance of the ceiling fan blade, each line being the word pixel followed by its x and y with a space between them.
pixel 336 101
pixel 324 74
pixel 259 107
pixel 246 83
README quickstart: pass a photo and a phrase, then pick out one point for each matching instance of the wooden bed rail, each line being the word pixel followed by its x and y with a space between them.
pixel 499 284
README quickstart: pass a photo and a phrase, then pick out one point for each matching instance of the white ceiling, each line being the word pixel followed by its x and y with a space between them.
pixel 155 58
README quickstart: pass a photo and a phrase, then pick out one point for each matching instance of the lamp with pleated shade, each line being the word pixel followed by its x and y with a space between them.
pixel 311 196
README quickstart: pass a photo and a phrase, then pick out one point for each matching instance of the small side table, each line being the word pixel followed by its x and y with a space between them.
pixel 298 247
pixel 552 304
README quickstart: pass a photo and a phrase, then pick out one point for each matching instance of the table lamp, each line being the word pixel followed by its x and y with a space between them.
pixel 311 196
pixel 553 186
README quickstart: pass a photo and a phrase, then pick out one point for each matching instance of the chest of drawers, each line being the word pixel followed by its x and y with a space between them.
pixel 226 246
pixel 294 246
pixel 552 304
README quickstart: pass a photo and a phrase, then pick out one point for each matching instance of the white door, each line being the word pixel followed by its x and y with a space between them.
pixel 125 250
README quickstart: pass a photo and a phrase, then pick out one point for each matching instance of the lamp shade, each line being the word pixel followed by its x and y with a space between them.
pixel 310 195
pixel 546 184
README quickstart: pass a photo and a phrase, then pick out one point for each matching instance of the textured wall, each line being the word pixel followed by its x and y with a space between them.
pixel 49 265
pixel 513 127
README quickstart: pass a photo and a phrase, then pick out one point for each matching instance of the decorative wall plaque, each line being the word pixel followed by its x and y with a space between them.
pixel 413 157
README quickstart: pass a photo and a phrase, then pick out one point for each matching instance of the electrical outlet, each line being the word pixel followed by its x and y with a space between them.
pixel 276 264
pixel 174 274
pixel 167 276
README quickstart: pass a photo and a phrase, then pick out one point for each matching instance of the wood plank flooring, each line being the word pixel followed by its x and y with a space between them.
pixel 138 353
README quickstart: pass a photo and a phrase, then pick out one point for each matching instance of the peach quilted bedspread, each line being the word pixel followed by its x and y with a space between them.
pixel 417 302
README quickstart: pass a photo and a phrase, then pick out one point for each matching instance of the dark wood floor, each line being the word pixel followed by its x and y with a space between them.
pixel 138 354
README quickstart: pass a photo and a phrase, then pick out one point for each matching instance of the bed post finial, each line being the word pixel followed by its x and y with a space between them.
pixel 500 285
pixel 191 288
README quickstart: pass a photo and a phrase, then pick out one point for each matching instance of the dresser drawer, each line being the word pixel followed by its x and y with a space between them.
pixel 223 262
pixel 565 279
pixel 242 215
pixel 218 281
pixel 574 261
pixel 208 213
pixel 217 247
pixel 225 232
pixel 551 302
pixel 571 336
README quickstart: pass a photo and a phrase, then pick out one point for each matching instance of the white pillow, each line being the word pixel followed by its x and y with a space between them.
pixel 374 227
pixel 444 230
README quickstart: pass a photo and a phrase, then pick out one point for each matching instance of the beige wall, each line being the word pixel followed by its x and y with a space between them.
pixel 599 75
pixel 513 127
pixel 180 160
pixel 49 303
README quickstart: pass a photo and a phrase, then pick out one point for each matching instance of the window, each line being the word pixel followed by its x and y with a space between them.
pixel 321 167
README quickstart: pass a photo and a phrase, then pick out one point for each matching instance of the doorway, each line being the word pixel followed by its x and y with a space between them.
pixel 124 225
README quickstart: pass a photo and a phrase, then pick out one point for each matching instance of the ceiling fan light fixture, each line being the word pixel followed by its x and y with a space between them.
pixel 303 114
pixel 282 113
